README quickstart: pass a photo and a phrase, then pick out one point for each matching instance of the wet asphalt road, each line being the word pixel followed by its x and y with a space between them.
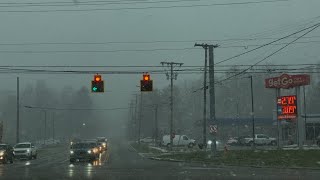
pixel 121 162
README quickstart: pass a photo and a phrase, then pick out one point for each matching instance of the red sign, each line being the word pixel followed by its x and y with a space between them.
pixel 287 107
pixel 286 81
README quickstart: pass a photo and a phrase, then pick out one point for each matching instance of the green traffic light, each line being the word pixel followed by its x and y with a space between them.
pixel 95 89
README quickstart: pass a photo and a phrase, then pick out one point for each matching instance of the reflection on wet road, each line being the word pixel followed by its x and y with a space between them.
pixel 121 162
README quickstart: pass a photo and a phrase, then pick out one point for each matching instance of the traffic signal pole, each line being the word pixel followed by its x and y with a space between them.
pixel 135 113
pixel 156 124
pixel 139 130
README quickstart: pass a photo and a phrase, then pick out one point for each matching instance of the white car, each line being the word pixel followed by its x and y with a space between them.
pixel 233 141
pixel 178 140
pixel 261 139
pixel 147 140
pixel 25 150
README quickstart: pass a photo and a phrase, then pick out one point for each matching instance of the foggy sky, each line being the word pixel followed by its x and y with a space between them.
pixel 214 22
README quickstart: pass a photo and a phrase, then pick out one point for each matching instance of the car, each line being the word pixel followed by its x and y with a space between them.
pixel 261 139
pixel 242 140
pixel 25 150
pixel 233 141
pixel 178 140
pixel 103 142
pixel 6 153
pixel 84 151
pixel 147 140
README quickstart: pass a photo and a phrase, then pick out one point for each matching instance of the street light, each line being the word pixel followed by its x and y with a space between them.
pixel 45 121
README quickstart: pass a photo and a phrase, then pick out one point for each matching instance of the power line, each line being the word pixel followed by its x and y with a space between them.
pixel 75 109
pixel 146 66
pixel 148 50
pixel 155 73
pixel 150 42
pixel 96 51
pixel 87 3
pixel 150 7
pixel 314 27
pixel 246 52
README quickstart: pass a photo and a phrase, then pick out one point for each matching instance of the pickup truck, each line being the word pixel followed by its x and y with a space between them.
pixel 261 139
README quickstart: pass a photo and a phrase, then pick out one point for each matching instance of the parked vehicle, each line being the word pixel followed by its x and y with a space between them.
pixel 261 139
pixel 233 141
pixel 147 140
pixel 242 140
pixel 25 150
pixel 6 153
pixel 178 140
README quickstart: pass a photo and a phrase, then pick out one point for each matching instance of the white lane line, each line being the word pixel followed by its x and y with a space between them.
pixel 202 168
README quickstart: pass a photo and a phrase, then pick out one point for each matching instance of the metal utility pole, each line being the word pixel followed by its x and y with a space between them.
pixel 139 130
pixel 172 76
pixel 156 124
pixel 252 112
pixel 45 127
pixel 18 113
pixel 53 126
pixel 238 119
pixel 278 121
pixel 305 112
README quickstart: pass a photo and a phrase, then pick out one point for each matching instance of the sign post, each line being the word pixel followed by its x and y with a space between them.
pixel 287 106
pixel 213 129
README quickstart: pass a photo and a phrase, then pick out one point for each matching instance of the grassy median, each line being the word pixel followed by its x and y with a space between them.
pixel 144 148
pixel 274 158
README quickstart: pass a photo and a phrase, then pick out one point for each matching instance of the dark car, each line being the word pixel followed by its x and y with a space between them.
pixel 103 142
pixel 84 151
pixel 6 153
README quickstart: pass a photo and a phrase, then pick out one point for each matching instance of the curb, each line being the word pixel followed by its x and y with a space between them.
pixel 225 166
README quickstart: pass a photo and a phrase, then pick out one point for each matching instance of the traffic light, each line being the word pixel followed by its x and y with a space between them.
pixel 97 85
pixel 146 83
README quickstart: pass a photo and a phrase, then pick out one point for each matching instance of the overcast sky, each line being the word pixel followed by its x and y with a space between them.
pixel 117 24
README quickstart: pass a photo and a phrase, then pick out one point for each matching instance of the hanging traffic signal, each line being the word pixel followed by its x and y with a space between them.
pixel 97 85
pixel 146 83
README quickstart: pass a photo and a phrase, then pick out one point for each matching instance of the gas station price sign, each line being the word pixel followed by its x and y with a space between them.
pixel 287 107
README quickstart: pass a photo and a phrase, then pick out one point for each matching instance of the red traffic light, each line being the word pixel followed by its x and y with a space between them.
pixel 146 77
pixel 97 78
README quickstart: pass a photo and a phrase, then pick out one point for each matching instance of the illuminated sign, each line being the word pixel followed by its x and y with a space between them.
pixel 287 107
pixel 286 81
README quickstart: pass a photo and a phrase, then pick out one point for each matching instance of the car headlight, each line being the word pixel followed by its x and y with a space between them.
pixel 104 144
pixel 1 153
pixel 209 142
pixel 71 152
pixel 217 142
pixel 89 151
pixel 95 150
pixel 28 150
